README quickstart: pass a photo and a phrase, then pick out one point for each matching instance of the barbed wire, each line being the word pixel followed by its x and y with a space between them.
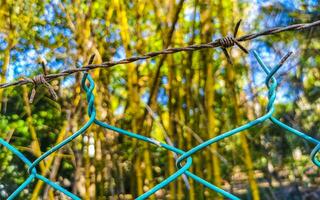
pixel 224 43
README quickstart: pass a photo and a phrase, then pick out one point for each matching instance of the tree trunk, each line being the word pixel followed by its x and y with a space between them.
pixel 230 80
pixel 207 32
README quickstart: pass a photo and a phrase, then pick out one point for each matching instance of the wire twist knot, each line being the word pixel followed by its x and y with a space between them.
pixel 227 41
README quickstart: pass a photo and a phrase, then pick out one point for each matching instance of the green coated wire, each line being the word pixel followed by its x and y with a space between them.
pixel 271 84
pixel 33 175
pixel 171 178
pixel 284 126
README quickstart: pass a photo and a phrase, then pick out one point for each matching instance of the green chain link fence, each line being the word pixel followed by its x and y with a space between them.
pixel 88 86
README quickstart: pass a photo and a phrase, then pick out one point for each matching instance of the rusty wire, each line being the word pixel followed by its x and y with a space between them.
pixel 224 43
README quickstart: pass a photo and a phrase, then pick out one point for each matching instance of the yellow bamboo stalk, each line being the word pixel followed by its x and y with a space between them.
pixel 4 71
pixel 133 93
pixel 35 142
pixel 207 31
pixel 235 99
pixel 171 128
pixel 38 187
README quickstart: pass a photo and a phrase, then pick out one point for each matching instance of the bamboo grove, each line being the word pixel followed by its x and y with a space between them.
pixel 181 99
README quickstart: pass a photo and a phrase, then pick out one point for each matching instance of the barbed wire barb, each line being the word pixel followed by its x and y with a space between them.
pixel 40 80
pixel 230 41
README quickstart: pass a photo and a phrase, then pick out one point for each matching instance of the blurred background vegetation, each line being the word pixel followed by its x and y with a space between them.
pixel 194 97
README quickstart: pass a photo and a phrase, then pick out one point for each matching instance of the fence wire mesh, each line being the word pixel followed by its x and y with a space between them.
pixel 184 162
pixel 88 86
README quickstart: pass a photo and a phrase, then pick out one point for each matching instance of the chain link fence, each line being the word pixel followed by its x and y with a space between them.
pixel 184 162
